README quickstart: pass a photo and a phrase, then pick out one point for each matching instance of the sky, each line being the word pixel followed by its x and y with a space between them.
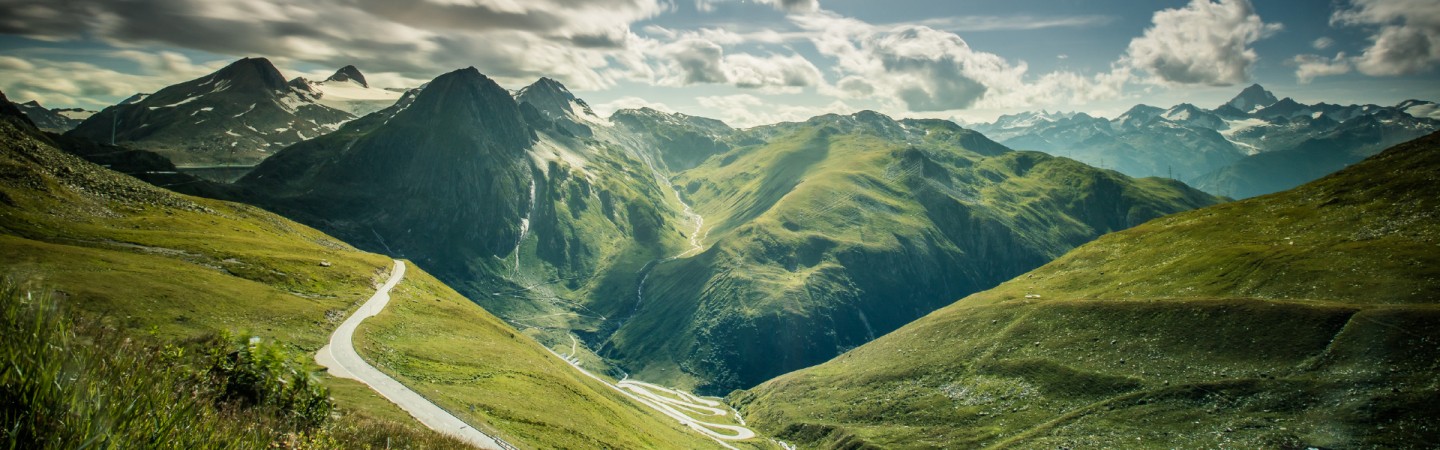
pixel 753 62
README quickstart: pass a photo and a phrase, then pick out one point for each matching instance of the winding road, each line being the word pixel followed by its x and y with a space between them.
pixel 678 405
pixel 340 358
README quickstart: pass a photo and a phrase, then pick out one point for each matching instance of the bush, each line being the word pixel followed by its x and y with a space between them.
pixel 255 373
pixel 71 382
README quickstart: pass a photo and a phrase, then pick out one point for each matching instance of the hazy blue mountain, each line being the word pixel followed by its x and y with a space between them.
pixel 1198 146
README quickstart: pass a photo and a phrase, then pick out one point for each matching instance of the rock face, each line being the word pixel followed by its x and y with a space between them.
pixel 558 107
pixel 1252 99
pixel 444 177
pixel 349 73
pixel 240 114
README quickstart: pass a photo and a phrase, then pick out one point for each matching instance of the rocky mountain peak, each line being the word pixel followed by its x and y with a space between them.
pixel 466 99
pixel 551 97
pixel 1252 99
pixel 9 110
pixel 252 73
pixel 349 73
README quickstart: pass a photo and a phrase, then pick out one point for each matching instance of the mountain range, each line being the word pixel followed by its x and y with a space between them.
pixel 1252 145
pixel 238 115
pixel 171 270
pixel 58 120
pixel 500 193
pixel 808 269
pixel 1253 324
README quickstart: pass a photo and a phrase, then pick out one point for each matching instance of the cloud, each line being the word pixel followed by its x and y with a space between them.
pixel 750 71
pixel 698 61
pixel 920 69
pixel 69 83
pixel 608 108
pixel 1019 22
pixel 1406 39
pixel 794 5
pixel 745 110
pixel 515 41
pixel 1323 43
pixel 1309 67
pixel 1204 43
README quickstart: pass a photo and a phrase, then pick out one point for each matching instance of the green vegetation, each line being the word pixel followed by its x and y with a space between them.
pixel 483 371
pixel 835 231
pixel 73 381
pixel 177 269
pixel 1300 319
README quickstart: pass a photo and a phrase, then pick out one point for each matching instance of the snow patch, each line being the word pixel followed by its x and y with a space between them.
pixel 247 111
pixel 76 115
pixel 353 98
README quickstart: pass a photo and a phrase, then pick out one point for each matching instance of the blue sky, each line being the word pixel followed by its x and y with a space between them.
pixel 751 62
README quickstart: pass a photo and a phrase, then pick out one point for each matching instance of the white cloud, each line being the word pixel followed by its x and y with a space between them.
pixel 778 72
pixel 1323 43
pixel 794 5
pixel 694 59
pixel 1204 43
pixel 512 41
pixel 608 108
pixel 920 69
pixel 745 110
pixel 1309 67
pixel 68 83
pixel 1021 22
pixel 1407 36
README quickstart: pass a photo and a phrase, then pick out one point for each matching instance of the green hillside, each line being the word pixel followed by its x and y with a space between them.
pixel 1301 319
pixel 837 230
pixel 174 269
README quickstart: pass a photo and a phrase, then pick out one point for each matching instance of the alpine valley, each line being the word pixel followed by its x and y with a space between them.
pixel 651 279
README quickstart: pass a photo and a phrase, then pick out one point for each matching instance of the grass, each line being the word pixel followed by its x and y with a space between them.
pixel 179 269
pixel 799 223
pixel 1203 329
pixel 484 371
pixel 74 381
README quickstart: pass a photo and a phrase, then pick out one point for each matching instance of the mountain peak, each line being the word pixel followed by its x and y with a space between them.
pixel 1252 99
pixel 8 109
pixel 465 98
pixel 349 73
pixel 258 72
pixel 548 95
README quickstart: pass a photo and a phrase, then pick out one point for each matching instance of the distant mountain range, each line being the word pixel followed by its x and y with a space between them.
pixel 58 120
pixel 1252 145
pixel 240 115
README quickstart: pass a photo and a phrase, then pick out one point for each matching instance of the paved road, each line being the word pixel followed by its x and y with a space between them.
pixel 678 407
pixel 340 358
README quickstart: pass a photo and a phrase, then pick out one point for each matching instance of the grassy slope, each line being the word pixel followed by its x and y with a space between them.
pixel 797 224
pixel 478 367
pixel 1305 318
pixel 183 267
